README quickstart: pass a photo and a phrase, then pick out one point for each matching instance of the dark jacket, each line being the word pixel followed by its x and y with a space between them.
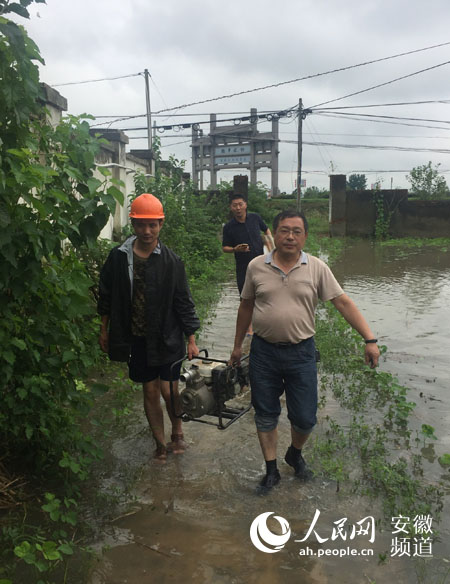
pixel 170 308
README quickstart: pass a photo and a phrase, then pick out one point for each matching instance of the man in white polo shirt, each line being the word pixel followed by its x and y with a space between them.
pixel 279 297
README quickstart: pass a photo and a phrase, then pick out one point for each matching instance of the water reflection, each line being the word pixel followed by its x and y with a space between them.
pixel 405 295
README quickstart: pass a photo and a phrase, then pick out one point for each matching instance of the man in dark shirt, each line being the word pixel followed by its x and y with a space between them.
pixel 242 236
pixel 147 312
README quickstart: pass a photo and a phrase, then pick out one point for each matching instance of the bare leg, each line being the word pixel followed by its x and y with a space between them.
pixel 298 440
pixel 177 444
pixel 154 413
pixel 268 442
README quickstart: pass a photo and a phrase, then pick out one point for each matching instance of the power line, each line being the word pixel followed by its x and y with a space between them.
pixel 392 117
pixel 273 85
pixel 269 116
pixel 174 144
pixel 184 114
pixel 442 101
pixel 306 77
pixel 372 136
pixel 381 84
pixel 341 116
pixel 95 80
pixel 372 147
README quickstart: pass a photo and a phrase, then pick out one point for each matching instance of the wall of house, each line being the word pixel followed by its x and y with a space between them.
pixel 113 156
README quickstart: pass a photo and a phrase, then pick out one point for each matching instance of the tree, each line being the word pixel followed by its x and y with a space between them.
pixel 427 183
pixel 316 193
pixel 50 206
pixel 357 182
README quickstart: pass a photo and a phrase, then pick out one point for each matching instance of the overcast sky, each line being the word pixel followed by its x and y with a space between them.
pixel 202 49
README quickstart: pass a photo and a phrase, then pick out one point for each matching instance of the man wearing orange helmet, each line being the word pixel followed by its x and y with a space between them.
pixel 146 310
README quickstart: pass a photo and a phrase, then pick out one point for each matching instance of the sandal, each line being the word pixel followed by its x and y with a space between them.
pixel 160 454
pixel 177 444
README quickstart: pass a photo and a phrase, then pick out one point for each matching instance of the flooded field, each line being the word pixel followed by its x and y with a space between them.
pixel 190 518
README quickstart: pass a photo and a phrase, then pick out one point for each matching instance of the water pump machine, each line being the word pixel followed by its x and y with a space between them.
pixel 209 384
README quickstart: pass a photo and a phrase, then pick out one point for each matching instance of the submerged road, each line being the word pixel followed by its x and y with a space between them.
pixel 191 517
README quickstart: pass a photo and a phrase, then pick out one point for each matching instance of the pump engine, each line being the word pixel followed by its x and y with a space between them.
pixel 209 385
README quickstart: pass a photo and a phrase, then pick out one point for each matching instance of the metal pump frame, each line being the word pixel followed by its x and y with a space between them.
pixel 231 414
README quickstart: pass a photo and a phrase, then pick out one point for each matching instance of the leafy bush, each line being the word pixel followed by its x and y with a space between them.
pixel 427 183
pixel 48 198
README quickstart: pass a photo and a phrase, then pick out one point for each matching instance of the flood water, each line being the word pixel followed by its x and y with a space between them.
pixel 190 518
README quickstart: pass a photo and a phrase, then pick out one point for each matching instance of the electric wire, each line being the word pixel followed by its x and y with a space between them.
pixel 186 114
pixel 392 117
pixel 372 147
pixel 227 96
pixel 320 151
pixel 314 75
pixel 95 80
pixel 373 136
pixel 356 119
pixel 381 84
pixel 174 144
pixel 442 101
pixel 267 116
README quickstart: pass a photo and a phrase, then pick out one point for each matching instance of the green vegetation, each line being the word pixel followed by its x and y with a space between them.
pixel 52 211
pixel 49 197
pixel 315 193
pixel 427 183
pixel 385 207
pixel 378 410
pixel 373 450
pixel 443 243
pixel 357 182
pixel 52 207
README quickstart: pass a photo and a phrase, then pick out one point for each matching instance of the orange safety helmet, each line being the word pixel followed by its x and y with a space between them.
pixel 146 206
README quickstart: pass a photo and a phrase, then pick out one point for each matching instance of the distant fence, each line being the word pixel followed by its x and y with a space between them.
pixel 355 213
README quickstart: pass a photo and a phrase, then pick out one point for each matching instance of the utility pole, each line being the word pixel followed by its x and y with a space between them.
pixel 149 115
pixel 201 159
pixel 299 155
pixel 302 113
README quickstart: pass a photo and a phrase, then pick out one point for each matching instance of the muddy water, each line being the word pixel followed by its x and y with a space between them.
pixel 405 294
pixel 191 517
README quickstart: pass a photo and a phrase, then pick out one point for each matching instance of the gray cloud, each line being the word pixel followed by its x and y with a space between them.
pixel 199 49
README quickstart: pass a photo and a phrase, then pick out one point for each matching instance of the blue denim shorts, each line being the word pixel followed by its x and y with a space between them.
pixel 276 368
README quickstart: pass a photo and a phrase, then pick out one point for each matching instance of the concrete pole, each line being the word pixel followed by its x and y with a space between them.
pixel 212 150
pixel 194 157
pixel 149 117
pixel 299 155
pixel 274 158
pixel 254 128
pixel 201 159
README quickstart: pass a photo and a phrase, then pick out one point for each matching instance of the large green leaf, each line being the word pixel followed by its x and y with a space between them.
pixel 17 9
